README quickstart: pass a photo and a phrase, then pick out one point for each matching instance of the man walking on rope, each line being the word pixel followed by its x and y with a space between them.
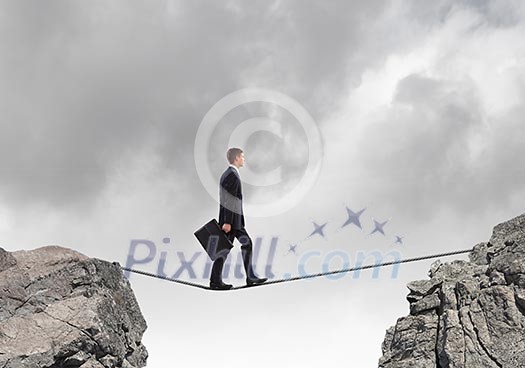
pixel 231 220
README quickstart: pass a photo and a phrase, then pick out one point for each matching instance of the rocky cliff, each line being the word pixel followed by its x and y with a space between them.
pixel 467 314
pixel 60 308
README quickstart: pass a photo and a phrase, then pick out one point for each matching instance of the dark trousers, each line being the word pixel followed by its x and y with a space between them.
pixel 246 250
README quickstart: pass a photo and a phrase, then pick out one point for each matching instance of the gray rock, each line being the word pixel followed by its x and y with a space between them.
pixel 421 288
pixel 6 260
pixel 497 278
pixel 467 314
pixel 427 303
pixel 60 308
pixel 479 254
pixel 412 343
pixel 511 230
pixel 434 267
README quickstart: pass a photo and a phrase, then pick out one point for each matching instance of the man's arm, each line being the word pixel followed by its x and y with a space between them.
pixel 229 199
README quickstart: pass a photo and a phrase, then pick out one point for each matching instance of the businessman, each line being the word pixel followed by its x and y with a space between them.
pixel 231 220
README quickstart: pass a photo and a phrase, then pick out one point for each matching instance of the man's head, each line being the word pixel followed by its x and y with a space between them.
pixel 235 156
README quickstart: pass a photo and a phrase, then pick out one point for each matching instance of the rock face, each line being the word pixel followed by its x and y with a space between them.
pixel 467 314
pixel 60 308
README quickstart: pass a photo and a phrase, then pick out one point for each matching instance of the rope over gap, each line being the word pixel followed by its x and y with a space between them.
pixel 277 281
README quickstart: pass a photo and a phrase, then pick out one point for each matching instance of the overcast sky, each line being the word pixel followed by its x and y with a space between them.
pixel 410 110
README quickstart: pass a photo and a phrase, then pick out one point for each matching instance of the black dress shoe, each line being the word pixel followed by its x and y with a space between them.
pixel 219 285
pixel 255 280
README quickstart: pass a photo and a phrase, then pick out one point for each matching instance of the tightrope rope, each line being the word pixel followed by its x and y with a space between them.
pixel 277 281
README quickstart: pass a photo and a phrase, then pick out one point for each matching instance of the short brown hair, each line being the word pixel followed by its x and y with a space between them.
pixel 232 153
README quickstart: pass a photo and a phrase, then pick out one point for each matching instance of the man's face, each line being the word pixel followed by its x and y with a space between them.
pixel 239 160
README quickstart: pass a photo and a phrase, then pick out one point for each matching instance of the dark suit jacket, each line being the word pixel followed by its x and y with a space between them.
pixel 230 193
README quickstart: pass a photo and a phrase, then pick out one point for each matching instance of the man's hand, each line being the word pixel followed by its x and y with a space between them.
pixel 226 228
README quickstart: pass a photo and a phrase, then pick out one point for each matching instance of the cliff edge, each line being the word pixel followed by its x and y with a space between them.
pixel 467 314
pixel 60 308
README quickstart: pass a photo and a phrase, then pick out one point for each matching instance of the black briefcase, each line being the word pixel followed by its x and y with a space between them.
pixel 214 241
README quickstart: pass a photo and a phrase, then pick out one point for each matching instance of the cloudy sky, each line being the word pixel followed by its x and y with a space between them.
pixel 116 117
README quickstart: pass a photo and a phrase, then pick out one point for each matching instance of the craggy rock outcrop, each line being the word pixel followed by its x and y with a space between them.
pixel 60 308
pixel 468 314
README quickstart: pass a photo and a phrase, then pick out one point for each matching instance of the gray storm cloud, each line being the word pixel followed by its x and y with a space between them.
pixel 86 84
